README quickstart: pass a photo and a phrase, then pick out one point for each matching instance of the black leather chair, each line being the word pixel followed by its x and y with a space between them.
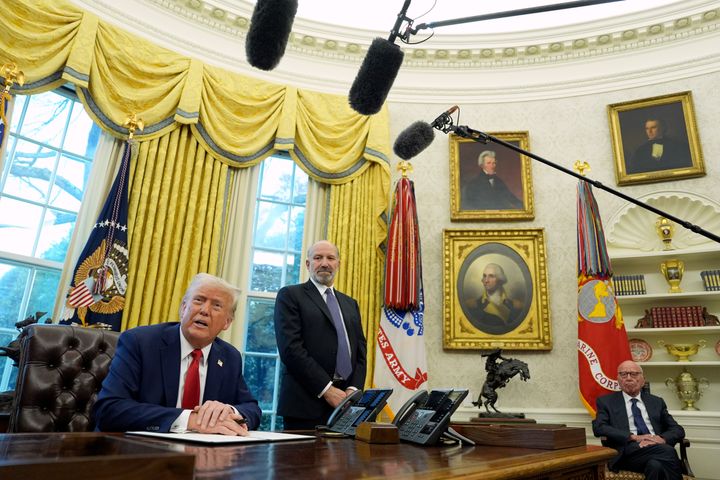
pixel 61 370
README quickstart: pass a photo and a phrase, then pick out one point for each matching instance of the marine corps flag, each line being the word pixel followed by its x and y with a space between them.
pixel 400 361
pixel 97 292
pixel 602 341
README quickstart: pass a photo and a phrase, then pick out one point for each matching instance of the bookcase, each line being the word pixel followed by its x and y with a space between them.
pixel 662 365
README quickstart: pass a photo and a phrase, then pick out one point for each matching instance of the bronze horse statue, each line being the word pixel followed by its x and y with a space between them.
pixel 498 377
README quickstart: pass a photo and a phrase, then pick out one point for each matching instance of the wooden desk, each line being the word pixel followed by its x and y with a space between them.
pixel 350 459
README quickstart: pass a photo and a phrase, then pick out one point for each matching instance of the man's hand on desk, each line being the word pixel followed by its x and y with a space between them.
pixel 334 396
pixel 217 417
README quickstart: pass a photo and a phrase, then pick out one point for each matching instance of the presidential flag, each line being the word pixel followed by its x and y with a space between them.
pixel 602 340
pixel 97 293
pixel 400 361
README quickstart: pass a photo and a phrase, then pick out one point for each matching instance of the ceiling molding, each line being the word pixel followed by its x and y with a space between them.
pixel 594 56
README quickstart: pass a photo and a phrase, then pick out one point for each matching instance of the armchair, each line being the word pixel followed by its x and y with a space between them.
pixel 61 369
pixel 627 475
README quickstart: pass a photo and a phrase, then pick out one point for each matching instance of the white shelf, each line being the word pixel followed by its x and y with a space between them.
pixel 646 257
pixel 667 297
pixel 676 330
pixel 680 364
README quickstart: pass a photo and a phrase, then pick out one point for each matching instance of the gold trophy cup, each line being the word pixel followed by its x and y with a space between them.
pixel 688 388
pixel 673 271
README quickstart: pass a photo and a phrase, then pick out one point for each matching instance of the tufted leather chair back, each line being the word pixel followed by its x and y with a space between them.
pixel 61 370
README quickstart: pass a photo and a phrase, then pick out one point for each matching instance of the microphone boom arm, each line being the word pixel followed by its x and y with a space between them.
pixel 491 16
pixel 481 137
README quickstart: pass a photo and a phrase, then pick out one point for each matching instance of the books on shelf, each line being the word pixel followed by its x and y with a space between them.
pixel 677 317
pixel 711 280
pixel 629 284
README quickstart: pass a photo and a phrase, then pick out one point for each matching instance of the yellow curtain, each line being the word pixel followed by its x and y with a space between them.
pixel 174 224
pixel 200 119
pixel 357 227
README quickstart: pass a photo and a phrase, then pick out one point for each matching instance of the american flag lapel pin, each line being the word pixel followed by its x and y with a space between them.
pixel 220 363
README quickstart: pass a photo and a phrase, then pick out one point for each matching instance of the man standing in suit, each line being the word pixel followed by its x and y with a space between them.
pixel 487 191
pixel 321 343
pixel 639 426
pixel 160 373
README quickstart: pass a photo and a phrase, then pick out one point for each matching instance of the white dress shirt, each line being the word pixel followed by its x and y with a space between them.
pixel 643 411
pixel 181 423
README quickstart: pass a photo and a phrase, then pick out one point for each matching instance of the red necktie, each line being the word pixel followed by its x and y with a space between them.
pixel 191 391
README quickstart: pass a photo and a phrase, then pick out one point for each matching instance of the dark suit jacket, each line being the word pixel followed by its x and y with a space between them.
pixel 612 421
pixel 307 343
pixel 675 155
pixel 141 389
pixel 479 194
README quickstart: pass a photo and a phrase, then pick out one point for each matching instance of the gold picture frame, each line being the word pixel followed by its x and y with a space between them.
pixel 509 196
pixel 517 316
pixel 655 139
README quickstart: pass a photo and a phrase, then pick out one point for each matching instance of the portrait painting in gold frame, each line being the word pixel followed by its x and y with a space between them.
pixel 490 181
pixel 655 139
pixel 495 290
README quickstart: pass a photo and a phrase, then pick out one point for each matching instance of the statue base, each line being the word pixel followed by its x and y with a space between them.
pixel 506 419
pixel 500 415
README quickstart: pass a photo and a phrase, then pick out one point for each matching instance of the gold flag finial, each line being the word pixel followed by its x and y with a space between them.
pixel 133 123
pixel 404 167
pixel 581 167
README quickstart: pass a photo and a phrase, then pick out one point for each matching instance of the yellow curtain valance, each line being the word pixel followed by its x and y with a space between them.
pixel 240 119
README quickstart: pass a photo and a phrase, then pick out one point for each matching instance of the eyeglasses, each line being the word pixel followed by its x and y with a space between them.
pixel 630 374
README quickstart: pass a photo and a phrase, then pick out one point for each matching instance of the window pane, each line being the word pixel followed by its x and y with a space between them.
pixel 82 135
pixel 30 172
pixel 19 224
pixel 55 235
pixel 259 373
pixel 13 280
pixel 293 269
pixel 276 179
pixel 261 329
pixel 297 223
pixel 19 102
pixel 271 226
pixel 300 187
pixel 42 294
pixel 70 182
pixel 46 117
pixel 266 275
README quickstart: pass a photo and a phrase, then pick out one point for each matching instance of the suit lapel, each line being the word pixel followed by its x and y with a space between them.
pixel 170 364
pixel 312 292
pixel 652 408
pixel 621 411
pixel 213 382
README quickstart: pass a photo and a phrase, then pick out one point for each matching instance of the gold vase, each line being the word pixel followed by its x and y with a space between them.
pixel 665 230
pixel 673 271
pixel 688 388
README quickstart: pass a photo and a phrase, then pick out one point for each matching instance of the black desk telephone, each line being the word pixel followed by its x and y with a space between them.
pixel 356 408
pixel 426 417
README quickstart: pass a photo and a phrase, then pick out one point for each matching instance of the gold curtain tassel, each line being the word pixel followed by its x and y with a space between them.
pixel 133 123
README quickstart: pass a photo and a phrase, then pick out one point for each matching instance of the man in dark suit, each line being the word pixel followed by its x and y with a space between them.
pixel 487 191
pixel 639 426
pixel 323 353
pixel 659 152
pixel 179 377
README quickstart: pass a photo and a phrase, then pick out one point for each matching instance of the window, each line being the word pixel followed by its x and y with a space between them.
pixel 276 254
pixel 49 152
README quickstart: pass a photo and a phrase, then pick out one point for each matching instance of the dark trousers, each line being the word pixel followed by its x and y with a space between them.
pixel 657 462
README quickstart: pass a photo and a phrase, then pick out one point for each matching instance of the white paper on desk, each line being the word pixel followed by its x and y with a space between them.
pixel 254 437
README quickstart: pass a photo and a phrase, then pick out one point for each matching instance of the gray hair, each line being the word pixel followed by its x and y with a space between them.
pixel 499 272
pixel 202 279
pixel 483 154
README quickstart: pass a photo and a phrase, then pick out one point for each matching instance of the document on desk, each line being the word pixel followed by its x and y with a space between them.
pixel 254 437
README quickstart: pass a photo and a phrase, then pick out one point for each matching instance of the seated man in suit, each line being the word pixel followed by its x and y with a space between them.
pixel 160 373
pixel 639 426
pixel 320 341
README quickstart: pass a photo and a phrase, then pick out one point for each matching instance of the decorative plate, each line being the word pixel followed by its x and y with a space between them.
pixel 640 350
pixel 717 347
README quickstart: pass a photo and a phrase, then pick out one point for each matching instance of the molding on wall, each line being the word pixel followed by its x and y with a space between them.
pixel 610 54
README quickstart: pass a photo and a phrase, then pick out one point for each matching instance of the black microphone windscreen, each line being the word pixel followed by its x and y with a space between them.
pixel 270 28
pixel 413 140
pixel 375 77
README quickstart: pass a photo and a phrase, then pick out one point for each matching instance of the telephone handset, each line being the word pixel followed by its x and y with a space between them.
pixel 356 408
pixel 426 417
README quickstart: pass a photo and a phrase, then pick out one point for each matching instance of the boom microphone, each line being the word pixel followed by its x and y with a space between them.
pixel 378 71
pixel 444 118
pixel 270 27
pixel 413 140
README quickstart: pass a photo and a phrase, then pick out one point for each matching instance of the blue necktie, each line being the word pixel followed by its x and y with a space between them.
pixel 342 361
pixel 642 428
